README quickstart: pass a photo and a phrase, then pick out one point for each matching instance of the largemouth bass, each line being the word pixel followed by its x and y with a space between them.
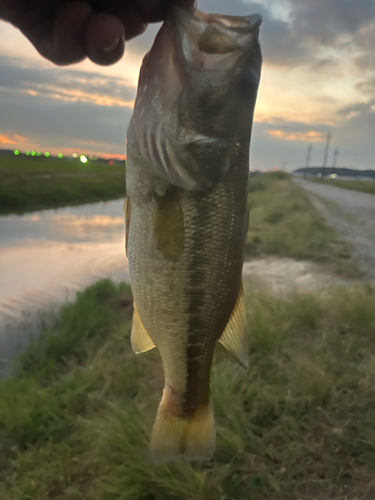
pixel 186 215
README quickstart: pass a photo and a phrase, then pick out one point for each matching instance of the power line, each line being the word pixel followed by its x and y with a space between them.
pixel 309 149
pixel 329 137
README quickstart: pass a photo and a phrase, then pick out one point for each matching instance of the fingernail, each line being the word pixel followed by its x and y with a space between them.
pixel 111 47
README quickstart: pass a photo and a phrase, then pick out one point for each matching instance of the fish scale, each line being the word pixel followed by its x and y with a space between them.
pixel 186 214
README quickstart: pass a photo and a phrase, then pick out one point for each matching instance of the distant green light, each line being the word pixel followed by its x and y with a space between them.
pixel 38 153
pixel 46 155
pixel 33 153
pixel 83 159
pixel 16 152
pixel 27 153
pixel 60 155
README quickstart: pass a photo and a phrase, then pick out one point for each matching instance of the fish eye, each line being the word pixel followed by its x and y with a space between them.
pixel 248 83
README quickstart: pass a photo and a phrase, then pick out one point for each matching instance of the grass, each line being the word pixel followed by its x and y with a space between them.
pixel 299 423
pixel 364 186
pixel 284 222
pixel 28 184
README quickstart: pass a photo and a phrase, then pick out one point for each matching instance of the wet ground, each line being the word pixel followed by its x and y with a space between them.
pixel 281 276
pixel 352 214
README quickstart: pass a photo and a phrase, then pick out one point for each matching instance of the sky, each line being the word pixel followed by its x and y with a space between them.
pixel 318 76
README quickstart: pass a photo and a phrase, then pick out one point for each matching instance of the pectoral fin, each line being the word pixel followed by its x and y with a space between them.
pixel 233 337
pixel 169 225
pixel 140 339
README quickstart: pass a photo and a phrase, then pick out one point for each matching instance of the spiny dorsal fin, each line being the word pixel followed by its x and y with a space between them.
pixel 140 339
pixel 233 337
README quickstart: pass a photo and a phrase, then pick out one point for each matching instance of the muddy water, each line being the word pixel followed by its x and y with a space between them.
pixel 46 256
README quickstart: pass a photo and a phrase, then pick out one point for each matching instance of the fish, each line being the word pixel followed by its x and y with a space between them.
pixel 186 214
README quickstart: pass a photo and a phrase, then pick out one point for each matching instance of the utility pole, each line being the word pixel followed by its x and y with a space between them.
pixel 335 155
pixel 329 137
pixel 309 149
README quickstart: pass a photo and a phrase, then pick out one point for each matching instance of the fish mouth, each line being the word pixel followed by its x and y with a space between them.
pixel 215 34
pixel 238 23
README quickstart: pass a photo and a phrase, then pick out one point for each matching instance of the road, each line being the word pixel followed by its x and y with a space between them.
pixel 352 214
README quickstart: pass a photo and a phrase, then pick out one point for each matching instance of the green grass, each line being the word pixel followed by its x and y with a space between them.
pixel 364 186
pixel 299 423
pixel 284 222
pixel 28 184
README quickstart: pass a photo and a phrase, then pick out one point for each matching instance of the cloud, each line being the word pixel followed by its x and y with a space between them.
pixel 295 131
pixel 359 123
pixel 357 109
pixel 310 136
pixel 53 124
pixel 367 86
pixel 326 21
pixel 67 85
pixel 13 139
pixel 319 69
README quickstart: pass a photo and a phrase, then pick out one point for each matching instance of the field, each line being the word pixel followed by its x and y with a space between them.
pixel 298 424
pixel 75 419
pixel 364 186
pixel 28 184
pixel 284 222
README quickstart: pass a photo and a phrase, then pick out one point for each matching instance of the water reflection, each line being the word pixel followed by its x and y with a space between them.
pixel 96 222
pixel 46 256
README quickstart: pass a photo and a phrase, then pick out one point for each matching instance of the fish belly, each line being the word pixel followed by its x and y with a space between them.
pixel 185 251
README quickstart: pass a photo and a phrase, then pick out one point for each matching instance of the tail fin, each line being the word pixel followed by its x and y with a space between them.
pixel 193 437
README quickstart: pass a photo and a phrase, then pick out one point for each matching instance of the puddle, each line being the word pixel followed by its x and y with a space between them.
pixel 47 256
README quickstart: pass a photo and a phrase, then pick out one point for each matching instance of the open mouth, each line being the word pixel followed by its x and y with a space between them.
pixel 237 23
pixel 216 33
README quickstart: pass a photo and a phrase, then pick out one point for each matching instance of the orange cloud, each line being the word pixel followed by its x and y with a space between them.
pixel 310 136
pixel 11 140
pixel 94 151
pixel 75 95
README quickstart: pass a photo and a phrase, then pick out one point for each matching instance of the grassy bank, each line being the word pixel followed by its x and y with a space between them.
pixel 364 186
pixel 32 184
pixel 75 422
pixel 284 222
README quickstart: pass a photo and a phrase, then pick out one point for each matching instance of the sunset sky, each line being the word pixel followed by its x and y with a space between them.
pixel 318 75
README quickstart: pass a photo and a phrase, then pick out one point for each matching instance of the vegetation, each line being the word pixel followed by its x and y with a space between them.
pixel 75 421
pixel 28 184
pixel 284 222
pixel 364 186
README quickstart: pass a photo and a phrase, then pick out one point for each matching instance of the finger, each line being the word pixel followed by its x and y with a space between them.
pixel 104 38
pixel 134 24
pixel 187 4
pixel 156 10
pixel 66 43
pixel 152 11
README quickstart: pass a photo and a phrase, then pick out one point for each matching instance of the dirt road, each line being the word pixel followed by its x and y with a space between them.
pixel 352 214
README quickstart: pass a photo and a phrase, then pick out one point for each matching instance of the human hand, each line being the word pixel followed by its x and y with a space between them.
pixel 68 31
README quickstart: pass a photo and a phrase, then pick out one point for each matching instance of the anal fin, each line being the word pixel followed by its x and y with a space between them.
pixel 233 338
pixel 140 339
